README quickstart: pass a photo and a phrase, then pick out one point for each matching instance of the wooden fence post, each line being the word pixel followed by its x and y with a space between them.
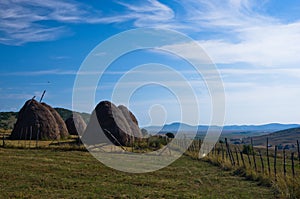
pixel 3 140
pixel 262 162
pixel 275 161
pixel 253 154
pixel 232 157
pixel 298 149
pixel 237 157
pixel 268 158
pixel 284 163
pixel 242 157
pixel 249 160
pixel 228 152
pixel 199 144
pixel 293 165
pixel 222 151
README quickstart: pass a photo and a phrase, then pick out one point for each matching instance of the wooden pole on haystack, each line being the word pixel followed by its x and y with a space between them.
pixel 42 96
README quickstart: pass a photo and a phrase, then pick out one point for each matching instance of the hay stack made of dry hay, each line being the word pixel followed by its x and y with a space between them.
pixel 108 121
pixel 75 124
pixel 38 121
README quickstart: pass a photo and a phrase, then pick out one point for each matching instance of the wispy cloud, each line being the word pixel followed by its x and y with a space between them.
pixel 231 30
pixel 40 72
pixel 25 21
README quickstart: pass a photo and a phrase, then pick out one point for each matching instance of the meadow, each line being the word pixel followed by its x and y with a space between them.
pixel 54 173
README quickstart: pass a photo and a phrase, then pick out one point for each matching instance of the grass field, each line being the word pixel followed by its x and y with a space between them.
pixel 35 173
pixel 287 186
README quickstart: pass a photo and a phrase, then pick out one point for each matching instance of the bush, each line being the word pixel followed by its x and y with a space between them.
pixel 170 135
pixel 247 149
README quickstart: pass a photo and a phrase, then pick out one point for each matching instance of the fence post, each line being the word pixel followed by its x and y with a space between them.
pixel 268 158
pixel 242 157
pixel 275 161
pixel 228 152
pixel 3 140
pixel 222 151
pixel 199 144
pixel 253 154
pixel 249 160
pixel 298 149
pixel 284 163
pixel 237 157
pixel 293 165
pixel 262 162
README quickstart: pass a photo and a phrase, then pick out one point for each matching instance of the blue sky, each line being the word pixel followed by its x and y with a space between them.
pixel 254 44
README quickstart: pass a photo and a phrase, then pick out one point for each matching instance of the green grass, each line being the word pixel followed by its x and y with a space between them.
pixel 286 186
pixel 35 173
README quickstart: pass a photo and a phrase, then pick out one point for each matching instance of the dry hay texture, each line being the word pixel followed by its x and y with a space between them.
pixel 39 121
pixel 75 124
pixel 117 124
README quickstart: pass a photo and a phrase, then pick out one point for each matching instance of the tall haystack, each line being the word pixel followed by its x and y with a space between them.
pixel 118 124
pixel 38 121
pixel 60 122
pixel 75 124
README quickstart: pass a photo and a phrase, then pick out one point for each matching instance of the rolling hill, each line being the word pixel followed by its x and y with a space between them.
pixel 283 137
pixel 230 130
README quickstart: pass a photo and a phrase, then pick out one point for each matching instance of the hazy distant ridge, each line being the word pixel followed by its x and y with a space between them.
pixel 272 127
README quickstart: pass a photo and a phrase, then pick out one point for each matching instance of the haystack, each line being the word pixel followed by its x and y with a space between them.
pixel 75 124
pixel 38 121
pixel 117 124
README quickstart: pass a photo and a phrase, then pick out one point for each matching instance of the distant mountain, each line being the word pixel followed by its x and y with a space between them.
pixel 170 127
pixel 265 128
pixel 8 119
pixel 283 137
pixel 231 129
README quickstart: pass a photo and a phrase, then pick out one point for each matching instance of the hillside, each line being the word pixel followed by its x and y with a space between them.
pixel 284 137
pixel 228 131
pixel 7 120
pixel 65 113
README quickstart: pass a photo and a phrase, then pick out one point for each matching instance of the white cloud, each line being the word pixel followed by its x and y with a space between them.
pixel 40 72
pixel 274 45
pixel 24 21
